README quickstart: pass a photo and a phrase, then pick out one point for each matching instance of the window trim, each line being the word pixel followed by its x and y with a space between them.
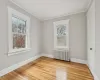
pixel 64 22
pixel 12 51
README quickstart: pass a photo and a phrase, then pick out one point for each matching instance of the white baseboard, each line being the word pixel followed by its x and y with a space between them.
pixel 95 77
pixel 79 60
pixel 72 59
pixel 93 73
pixel 47 55
pixel 15 66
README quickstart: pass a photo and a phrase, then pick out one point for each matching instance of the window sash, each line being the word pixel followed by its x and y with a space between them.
pixel 12 12
pixel 56 35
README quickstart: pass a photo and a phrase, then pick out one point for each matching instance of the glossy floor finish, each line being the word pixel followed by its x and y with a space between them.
pixel 50 69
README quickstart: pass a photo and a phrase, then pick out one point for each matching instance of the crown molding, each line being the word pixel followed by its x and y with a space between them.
pixel 89 4
pixel 65 15
pixel 85 10
pixel 25 9
pixel 33 14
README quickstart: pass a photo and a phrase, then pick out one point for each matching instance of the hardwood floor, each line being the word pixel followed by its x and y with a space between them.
pixel 48 69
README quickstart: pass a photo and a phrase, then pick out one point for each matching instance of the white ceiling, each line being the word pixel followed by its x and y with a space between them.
pixel 46 9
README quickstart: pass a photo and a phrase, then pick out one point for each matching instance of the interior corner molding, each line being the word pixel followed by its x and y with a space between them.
pixel 89 4
pixel 65 15
pixel 33 14
pixel 24 9
pixel 15 66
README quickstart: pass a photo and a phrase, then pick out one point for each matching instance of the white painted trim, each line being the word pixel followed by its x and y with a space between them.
pixel 61 22
pixel 51 17
pixel 23 51
pixel 93 73
pixel 89 4
pixel 23 8
pixel 78 60
pixel 65 15
pixel 10 37
pixel 15 66
pixel 47 55
pixel 72 59
pixel 95 77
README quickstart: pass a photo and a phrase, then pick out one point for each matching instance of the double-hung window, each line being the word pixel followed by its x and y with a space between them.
pixel 18 28
pixel 61 34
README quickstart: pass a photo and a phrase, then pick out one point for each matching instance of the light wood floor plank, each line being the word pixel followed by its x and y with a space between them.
pixel 45 69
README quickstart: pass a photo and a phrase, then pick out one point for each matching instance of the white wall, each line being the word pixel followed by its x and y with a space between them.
pixel 94 25
pixel 77 34
pixel 91 36
pixel 97 58
pixel 6 61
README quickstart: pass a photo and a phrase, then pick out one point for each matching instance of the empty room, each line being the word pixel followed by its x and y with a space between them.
pixel 49 40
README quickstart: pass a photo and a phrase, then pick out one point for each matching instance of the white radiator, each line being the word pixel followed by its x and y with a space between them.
pixel 61 54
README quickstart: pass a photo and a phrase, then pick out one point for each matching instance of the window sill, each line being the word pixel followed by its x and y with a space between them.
pixel 18 51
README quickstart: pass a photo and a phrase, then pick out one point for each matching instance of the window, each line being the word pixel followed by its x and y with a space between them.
pixel 18 31
pixel 61 34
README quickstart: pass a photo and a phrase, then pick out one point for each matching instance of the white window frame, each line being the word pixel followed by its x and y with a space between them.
pixel 62 22
pixel 12 51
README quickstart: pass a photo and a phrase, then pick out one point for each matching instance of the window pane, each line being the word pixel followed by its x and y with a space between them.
pixel 61 41
pixel 18 25
pixel 14 41
pixel 61 30
pixel 19 41
pixel 61 35
pixel 14 24
pixel 21 26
